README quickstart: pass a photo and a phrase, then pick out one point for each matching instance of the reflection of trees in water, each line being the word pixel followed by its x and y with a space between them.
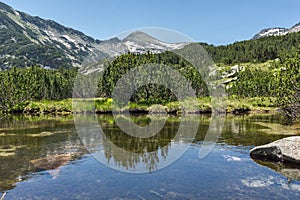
pixel 20 147
pixel 140 145
pixel 32 140
pixel 243 130
pixel 128 151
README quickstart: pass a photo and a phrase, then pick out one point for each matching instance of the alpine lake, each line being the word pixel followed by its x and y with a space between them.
pixel 49 157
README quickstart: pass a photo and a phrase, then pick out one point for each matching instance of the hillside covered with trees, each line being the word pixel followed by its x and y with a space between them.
pixel 278 79
pixel 254 51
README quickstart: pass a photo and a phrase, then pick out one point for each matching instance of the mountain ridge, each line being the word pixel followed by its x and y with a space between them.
pixel 27 40
pixel 277 31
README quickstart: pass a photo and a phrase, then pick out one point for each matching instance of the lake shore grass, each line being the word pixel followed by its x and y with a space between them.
pixel 233 105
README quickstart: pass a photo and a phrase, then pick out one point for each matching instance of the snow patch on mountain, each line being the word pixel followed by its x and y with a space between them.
pixel 70 47
pixel 136 42
pixel 277 31
pixel 140 42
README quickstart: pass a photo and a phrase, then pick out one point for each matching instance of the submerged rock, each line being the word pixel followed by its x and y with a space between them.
pixel 286 150
pixel 51 162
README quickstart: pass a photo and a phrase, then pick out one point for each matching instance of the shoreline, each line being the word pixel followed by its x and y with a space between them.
pixel 237 106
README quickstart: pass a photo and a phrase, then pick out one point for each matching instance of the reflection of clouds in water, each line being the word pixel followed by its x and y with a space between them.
pixel 292 186
pixel 232 158
pixel 263 181
pixel 166 194
pixel 259 181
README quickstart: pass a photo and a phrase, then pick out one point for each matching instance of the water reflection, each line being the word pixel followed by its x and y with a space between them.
pixel 30 143
pixel 291 172
pixel 122 151
pixel 245 130
pixel 26 140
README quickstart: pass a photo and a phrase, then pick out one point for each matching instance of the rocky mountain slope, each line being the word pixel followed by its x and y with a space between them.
pixel 277 31
pixel 26 40
pixel 136 42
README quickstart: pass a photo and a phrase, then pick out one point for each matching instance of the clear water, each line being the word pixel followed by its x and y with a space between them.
pixel 28 143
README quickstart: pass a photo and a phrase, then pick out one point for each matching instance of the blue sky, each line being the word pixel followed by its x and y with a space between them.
pixel 213 21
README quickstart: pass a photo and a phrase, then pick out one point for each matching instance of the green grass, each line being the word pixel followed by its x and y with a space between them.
pixel 259 104
pixel 104 105
pixel 48 106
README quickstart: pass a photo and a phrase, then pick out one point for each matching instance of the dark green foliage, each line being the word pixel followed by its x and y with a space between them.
pixel 280 80
pixel 151 93
pixel 258 50
pixel 18 85
pixel 288 90
pixel 254 83
pixel 13 88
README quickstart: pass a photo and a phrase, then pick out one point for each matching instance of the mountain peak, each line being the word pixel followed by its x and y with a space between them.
pixel 276 31
pixel 139 36
pixel 296 25
pixel 138 33
pixel 26 40
pixel 140 42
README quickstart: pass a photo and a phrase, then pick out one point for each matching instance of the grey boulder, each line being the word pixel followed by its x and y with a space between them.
pixel 286 150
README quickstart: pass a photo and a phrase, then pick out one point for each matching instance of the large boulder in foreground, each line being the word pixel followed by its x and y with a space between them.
pixel 286 150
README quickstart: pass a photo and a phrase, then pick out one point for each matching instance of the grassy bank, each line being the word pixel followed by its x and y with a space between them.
pixel 103 105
